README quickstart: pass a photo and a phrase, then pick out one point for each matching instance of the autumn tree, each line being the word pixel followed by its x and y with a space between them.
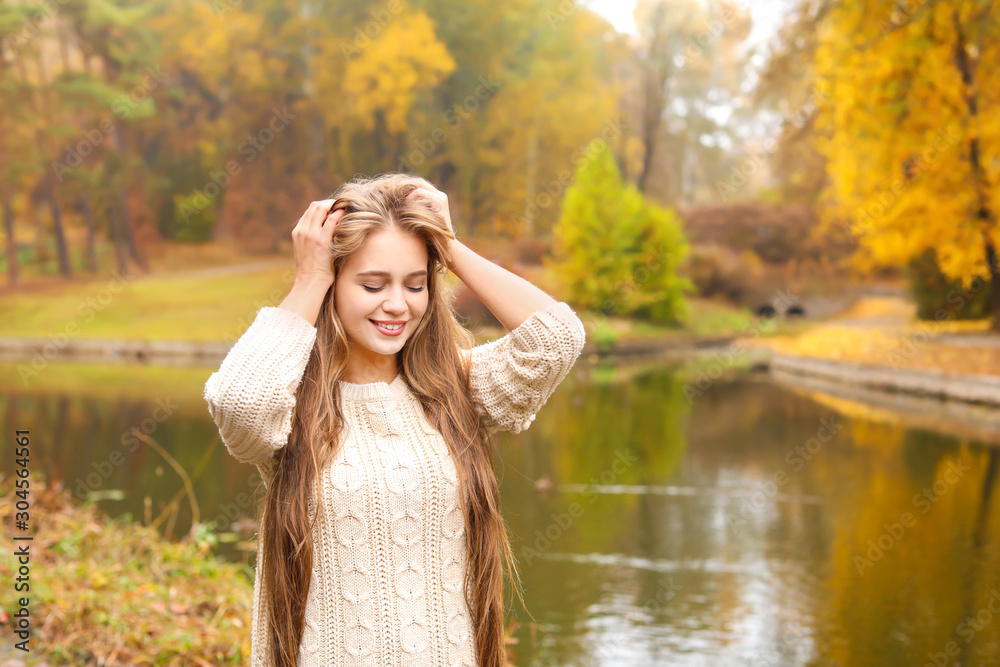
pixel 26 80
pixel 911 133
pixel 222 119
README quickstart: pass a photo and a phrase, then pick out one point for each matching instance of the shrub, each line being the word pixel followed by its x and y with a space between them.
pixel 193 219
pixel 604 336
pixel 531 250
pixel 717 270
pixel 614 251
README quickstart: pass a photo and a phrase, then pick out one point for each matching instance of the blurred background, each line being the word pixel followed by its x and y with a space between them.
pixel 776 218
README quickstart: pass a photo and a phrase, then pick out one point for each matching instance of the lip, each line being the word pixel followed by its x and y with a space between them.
pixel 386 332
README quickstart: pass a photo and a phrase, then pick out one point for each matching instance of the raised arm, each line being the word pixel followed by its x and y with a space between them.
pixel 514 376
pixel 252 396
pixel 509 297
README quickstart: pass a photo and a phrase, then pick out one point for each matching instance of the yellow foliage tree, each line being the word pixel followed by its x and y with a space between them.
pixel 231 115
pixel 385 77
pixel 911 133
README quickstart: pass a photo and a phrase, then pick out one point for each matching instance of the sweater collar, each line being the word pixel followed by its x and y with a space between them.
pixel 364 392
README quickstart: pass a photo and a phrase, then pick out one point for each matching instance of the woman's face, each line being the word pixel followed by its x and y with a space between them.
pixel 386 282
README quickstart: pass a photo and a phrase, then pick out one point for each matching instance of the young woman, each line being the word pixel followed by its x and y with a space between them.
pixel 369 414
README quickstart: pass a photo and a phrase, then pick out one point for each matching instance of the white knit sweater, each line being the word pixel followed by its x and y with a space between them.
pixel 390 556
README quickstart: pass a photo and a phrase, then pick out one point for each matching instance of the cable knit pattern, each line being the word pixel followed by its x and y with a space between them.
pixel 512 377
pixel 390 552
pixel 252 395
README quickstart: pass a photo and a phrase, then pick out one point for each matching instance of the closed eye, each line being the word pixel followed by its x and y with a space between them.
pixel 377 289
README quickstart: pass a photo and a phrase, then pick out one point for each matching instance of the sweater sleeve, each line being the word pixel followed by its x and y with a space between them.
pixel 252 396
pixel 512 377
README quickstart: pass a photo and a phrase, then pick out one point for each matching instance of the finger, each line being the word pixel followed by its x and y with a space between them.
pixel 318 211
pixel 319 205
pixel 332 218
pixel 425 193
pixel 426 197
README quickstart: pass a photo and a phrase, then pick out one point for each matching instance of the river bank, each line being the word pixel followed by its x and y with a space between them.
pixel 964 387
pixel 879 345
pixel 872 343
pixel 182 316
pixel 114 592
pixel 207 354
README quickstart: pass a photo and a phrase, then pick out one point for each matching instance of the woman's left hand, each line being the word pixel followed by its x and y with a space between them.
pixel 436 200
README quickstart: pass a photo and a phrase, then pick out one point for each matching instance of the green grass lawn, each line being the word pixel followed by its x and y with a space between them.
pixel 220 308
pixel 708 318
pixel 153 309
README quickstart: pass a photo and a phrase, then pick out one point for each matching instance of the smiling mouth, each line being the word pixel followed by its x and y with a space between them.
pixel 389 329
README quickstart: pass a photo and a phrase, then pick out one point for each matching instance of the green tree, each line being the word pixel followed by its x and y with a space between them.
pixel 615 252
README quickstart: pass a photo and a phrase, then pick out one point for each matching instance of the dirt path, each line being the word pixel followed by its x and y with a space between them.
pixel 902 315
pixel 231 270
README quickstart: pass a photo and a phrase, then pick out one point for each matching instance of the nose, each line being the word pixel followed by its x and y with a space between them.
pixel 395 303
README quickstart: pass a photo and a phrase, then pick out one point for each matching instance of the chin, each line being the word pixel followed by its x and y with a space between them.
pixel 391 345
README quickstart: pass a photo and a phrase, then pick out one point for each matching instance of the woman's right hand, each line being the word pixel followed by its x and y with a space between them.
pixel 311 240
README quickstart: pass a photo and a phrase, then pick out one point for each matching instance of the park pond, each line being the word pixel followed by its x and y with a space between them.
pixel 655 522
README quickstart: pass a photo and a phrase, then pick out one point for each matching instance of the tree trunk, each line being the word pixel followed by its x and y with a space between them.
pixel 90 256
pixel 126 227
pixel 656 74
pixel 49 185
pixel 991 260
pixel 13 270
pixel 532 178
pixel 41 249
pixel 57 226
pixel 126 221
pixel 114 219
pixel 984 209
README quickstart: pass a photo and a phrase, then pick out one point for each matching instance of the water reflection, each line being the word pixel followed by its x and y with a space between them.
pixel 91 429
pixel 740 535
pixel 755 525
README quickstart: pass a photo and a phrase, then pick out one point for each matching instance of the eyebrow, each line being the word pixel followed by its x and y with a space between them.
pixel 385 274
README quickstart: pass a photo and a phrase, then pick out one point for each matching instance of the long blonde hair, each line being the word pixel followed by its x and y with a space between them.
pixel 431 364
